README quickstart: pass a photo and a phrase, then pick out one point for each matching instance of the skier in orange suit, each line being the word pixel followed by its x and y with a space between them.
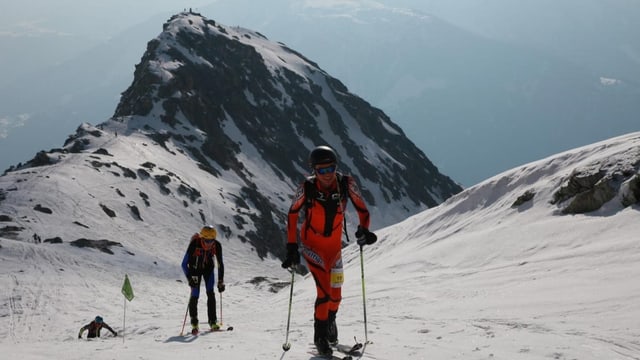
pixel 323 196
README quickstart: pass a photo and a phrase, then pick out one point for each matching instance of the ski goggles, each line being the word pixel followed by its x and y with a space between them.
pixel 326 170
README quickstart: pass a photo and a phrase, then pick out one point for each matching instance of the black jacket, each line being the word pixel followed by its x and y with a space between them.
pixel 199 261
pixel 94 329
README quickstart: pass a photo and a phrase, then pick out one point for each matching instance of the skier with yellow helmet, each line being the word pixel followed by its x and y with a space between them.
pixel 198 263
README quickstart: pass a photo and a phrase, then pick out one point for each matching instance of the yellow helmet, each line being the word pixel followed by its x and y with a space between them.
pixel 208 232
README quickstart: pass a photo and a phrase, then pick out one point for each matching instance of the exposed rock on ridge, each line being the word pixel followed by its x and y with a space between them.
pixel 198 74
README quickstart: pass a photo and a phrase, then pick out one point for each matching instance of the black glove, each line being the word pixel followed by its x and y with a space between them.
pixel 364 236
pixel 115 333
pixel 193 281
pixel 293 257
pixel 221 286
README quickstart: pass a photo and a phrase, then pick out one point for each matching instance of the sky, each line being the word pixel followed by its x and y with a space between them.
pixel 473 278
pixel 30 18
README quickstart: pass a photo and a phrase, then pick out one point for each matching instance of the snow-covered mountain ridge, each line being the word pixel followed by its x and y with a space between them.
pixel 541 190
pixel 216 128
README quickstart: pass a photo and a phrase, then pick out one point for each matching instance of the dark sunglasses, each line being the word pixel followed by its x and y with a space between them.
pixel 326 170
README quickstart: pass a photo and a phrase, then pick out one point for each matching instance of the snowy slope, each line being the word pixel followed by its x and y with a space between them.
pixel 473 278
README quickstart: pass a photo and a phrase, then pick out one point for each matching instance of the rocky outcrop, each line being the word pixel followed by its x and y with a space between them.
pixel 589 188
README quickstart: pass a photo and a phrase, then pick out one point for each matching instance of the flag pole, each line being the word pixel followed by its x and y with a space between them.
pixel 127 291
pixel 124 317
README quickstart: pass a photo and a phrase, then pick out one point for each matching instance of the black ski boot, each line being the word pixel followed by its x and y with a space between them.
pixel 321 328
pixel 332 331
pixel 211 311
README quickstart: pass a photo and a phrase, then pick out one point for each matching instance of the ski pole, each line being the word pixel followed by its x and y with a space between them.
pixel 364 301
pixel 221 310
pixel 286 346
pixel 185 320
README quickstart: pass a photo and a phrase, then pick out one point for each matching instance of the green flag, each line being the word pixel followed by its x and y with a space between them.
pixel 127 291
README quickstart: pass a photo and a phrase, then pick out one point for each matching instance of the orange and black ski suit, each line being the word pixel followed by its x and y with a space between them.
pixel 321 235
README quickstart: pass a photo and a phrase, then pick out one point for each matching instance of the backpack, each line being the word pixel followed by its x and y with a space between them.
pixel 311 194
pixel 310 189
pixel 201 259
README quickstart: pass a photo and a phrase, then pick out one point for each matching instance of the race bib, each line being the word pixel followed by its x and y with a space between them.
pixel 337 277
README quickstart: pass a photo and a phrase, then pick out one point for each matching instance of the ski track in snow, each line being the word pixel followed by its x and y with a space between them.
pixel 487 313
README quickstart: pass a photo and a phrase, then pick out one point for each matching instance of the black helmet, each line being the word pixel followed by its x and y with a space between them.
pixel 322 155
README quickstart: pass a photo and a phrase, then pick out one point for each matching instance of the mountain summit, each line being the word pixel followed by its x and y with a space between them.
pixel 216 128
pixel 221 80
